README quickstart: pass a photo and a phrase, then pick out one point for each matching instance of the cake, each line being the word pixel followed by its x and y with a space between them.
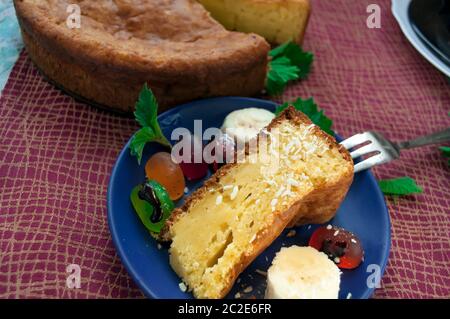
pixel 173 45
pixel 302 273
pixel 224 225
pixel 278 21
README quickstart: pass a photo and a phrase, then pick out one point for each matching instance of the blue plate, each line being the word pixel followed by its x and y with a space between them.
pixel 363 212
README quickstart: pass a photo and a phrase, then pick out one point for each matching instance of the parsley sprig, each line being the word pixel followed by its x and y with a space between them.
pixel 310 108
pixel 146 115
pixel 289 62
pixel 399 186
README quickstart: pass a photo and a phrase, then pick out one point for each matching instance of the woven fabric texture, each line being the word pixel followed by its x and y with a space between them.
pixel 56 155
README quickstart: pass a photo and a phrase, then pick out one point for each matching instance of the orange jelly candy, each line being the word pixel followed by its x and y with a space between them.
pixel 162 169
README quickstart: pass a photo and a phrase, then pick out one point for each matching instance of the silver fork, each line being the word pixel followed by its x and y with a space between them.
pixel 381 150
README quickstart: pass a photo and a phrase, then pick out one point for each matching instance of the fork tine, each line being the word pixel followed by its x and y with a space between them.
pixel 364 150
pixel 366 164
pixel 355 140
pixel 371 162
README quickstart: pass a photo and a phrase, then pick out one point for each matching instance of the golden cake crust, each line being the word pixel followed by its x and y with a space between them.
pixel 173 45
pixel 318 207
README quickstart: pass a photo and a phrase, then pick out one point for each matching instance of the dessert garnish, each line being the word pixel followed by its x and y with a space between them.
pixel 340 245
pixel 161 168
pixel 302 273
pixel 289 62
pixel 399 186
pixel 146 115
pixel 446 152
pixel 152 204
pixel 193 168
pixel 245 124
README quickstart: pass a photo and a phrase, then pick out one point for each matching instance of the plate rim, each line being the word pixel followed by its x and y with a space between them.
pixel 147 290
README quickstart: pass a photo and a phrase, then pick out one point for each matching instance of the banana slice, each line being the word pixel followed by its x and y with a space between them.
pixel 302 273
pixel 245 124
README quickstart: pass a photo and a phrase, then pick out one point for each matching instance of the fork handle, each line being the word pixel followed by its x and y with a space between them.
pixel 438 137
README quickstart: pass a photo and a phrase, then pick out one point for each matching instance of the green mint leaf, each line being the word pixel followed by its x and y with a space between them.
pixel 279 50
pixel 281 73
pixel 146 115
pixel 446 152
pixel 140 138
pixel 289 62
pixel 399 186
pixel 298 57
pixel 146 107
pixel 310 109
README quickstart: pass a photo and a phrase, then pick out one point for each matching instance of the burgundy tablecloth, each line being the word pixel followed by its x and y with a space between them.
pixel 56 156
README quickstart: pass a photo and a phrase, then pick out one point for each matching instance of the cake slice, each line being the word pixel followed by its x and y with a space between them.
pixel 278 21
pixel 245 206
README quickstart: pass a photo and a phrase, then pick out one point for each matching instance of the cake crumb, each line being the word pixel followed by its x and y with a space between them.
pixel 182 286
pixel 261 272
pixel 349 295
pixel 237 295
pixel 291 233
pixel 336 233
pixel 329 227
pixel 248 289
pixel 337 260
pixel 186 190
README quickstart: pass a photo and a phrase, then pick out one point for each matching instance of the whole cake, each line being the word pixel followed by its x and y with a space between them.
pixel 173 45
pixel 243 208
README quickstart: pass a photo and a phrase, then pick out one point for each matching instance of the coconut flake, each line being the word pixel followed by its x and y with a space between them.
pixel 182 286
pixel 219 200
pixel 234 192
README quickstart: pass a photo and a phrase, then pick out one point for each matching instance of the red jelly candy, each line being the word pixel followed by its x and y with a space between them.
pixel 194 167
pixel 341 246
